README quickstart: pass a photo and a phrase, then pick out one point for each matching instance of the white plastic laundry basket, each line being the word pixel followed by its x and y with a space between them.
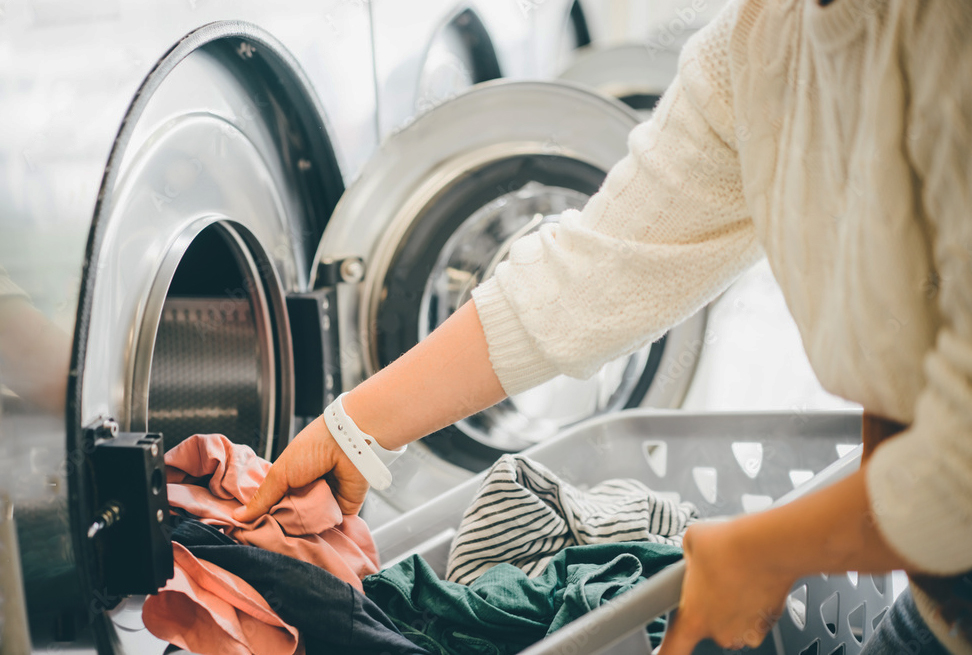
pixel 725 463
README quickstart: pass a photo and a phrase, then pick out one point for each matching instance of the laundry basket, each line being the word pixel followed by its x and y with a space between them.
pixel 725 463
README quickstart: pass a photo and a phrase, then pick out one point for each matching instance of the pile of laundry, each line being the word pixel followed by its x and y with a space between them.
pixel 532 554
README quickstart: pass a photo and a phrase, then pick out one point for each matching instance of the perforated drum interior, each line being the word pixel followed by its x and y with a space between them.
pixel 213 365
pixel 206 375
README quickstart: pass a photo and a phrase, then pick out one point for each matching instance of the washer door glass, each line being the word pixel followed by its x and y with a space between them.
pixel 464 239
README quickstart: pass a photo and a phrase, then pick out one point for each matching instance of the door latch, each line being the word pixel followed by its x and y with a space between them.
pixel 130 525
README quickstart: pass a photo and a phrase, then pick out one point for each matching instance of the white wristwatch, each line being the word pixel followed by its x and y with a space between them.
pixel 362 449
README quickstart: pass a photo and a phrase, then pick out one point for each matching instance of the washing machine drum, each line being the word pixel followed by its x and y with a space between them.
pixel 439 208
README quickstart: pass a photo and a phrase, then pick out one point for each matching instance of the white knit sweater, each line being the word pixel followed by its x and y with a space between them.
pixel 839 139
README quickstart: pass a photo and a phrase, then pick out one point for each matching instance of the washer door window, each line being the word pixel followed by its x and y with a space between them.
pixel 463 236
pixel 444 200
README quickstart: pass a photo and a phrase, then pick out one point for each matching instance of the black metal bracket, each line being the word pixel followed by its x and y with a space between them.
pixel 315 334
pixel 130 527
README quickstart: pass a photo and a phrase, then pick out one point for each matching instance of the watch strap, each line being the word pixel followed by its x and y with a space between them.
pixel 364 451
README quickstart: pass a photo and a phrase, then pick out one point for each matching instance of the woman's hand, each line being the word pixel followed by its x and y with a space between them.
pixel 738 573
pixel 311 455
pixel 730 593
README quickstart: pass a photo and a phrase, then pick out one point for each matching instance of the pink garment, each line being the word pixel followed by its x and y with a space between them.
pixel 206 609
pixel 307 524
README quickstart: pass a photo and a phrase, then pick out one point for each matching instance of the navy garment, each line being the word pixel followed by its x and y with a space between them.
pixel 331 615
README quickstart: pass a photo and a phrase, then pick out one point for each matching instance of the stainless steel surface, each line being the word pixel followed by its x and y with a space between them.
pixel 427 54
pixel 560 27
pixel 435 151
pixel 624 71
pixel 511 29
pixel 200 151
pixel 208 364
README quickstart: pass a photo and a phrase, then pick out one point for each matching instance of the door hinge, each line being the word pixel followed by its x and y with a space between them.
pixel 315 334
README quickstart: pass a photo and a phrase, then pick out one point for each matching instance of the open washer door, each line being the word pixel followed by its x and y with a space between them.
pixel 435 211
pixel 212 203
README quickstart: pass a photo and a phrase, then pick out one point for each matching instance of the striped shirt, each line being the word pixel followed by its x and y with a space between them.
pixel 523 515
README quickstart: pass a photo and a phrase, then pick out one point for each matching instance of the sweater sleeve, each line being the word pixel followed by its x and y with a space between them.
pixel 666 233
pixel 920 483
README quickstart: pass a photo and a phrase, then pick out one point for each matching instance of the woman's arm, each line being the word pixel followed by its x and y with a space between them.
pixel 444 378
pixel 667 232
pixel 739 572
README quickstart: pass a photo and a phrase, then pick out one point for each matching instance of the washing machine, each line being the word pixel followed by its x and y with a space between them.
pixel 444 198
pixel 200 233
pixel 425 55
pixel 561 27
pixel 165 176
pixel 429 52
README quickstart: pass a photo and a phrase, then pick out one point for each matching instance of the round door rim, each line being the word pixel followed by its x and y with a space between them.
pixel 403 220
pixel 264 300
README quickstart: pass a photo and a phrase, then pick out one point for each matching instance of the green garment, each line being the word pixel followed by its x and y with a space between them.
pixel 504 611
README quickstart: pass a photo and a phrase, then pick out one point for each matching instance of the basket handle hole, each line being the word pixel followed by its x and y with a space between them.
pixel 755 502
pixel 799 476
pixel 749 456
pixel 856 622
pixel 845 448
pixel 880 583
pixel 656 454
pixel 706 478
pixel 830 612
pixel 877 619
pixel 796 605
pixel 812 649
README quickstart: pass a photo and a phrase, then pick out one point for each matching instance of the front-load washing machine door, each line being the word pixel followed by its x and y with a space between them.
pixel 437 209
pixel 212 204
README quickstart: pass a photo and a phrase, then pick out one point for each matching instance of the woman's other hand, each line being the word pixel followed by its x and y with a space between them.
pixel 730 594
pixel 311 455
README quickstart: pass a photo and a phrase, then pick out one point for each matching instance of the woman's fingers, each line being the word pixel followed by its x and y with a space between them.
pixel 681 637
pixel 271 490
pixel 728 594
pixel 313 454
pixel 349 486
